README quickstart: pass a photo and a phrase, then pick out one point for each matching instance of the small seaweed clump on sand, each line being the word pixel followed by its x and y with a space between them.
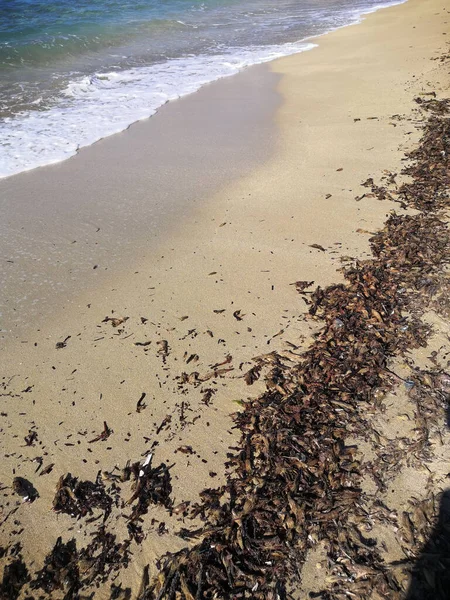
pixel 71 567
pixel 293 480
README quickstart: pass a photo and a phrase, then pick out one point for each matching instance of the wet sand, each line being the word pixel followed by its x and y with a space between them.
pixel 216 284
pixel 110 205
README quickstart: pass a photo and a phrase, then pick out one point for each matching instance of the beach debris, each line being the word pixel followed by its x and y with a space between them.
pixel 46 470
pixel 185 450
pixel 180 509
pixel 25 489
pixel 104 435
pixel 115 321
pixel 39 460
pixel 292 479
pixel 15 576
pixel 140 406
pixel 208 393
pixel 196 379
pixel 214 374
pixel 237 315
pixel 80 498
pixel 163 350
pixel 31 437
pixel 317 247
pixel 62 344
pixel 302 286
pixel 192 357
pixel 150 486
pixel 164 423
pixel 227 360
pixel 253 374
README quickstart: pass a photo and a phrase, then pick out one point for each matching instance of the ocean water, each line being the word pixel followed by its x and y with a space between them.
pixel 75 71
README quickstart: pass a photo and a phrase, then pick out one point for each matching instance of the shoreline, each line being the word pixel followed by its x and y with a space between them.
pixel 220 286
pixel 51 276
pixel 269 54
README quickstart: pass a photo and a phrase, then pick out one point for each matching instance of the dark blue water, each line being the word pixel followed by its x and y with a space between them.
pixel 74 71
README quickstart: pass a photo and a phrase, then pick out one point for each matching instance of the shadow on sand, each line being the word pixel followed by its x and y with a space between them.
pixel 431 574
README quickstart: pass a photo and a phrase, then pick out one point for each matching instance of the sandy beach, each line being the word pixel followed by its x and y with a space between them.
pixel 163 271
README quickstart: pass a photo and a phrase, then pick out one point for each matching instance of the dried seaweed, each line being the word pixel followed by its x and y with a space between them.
pixel 150 486
pixel 292 480
pixel 431 573
pixel 69 570
pixel 60 571
pixel 15 575
pixel 25 489
pixel 79 498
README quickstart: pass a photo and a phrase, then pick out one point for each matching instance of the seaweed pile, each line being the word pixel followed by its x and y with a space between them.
pixel 69 569
pixel 293 480
pixel 80 498
pixel 150 486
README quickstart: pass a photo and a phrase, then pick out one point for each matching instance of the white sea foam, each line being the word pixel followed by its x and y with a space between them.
pixel 94 107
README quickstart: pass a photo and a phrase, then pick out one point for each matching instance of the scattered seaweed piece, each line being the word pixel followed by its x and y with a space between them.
pixel 317 247
pixel 63 344
pixel 104 435
pixel 253 374
pixel 141 405
pixel 31 438
pixel 25 489
pixel 163 350
pixel 150 486
pixel 15 576
pixel 115 321
pixel 60 570
pixel 46 470
pixel 80 498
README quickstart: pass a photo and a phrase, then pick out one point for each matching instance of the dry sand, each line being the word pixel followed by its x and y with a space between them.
pixel 216 285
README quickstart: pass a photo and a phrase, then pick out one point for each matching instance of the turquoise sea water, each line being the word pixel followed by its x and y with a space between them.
pixel 74 71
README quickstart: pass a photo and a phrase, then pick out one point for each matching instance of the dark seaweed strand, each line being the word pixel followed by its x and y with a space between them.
pixel 292 479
